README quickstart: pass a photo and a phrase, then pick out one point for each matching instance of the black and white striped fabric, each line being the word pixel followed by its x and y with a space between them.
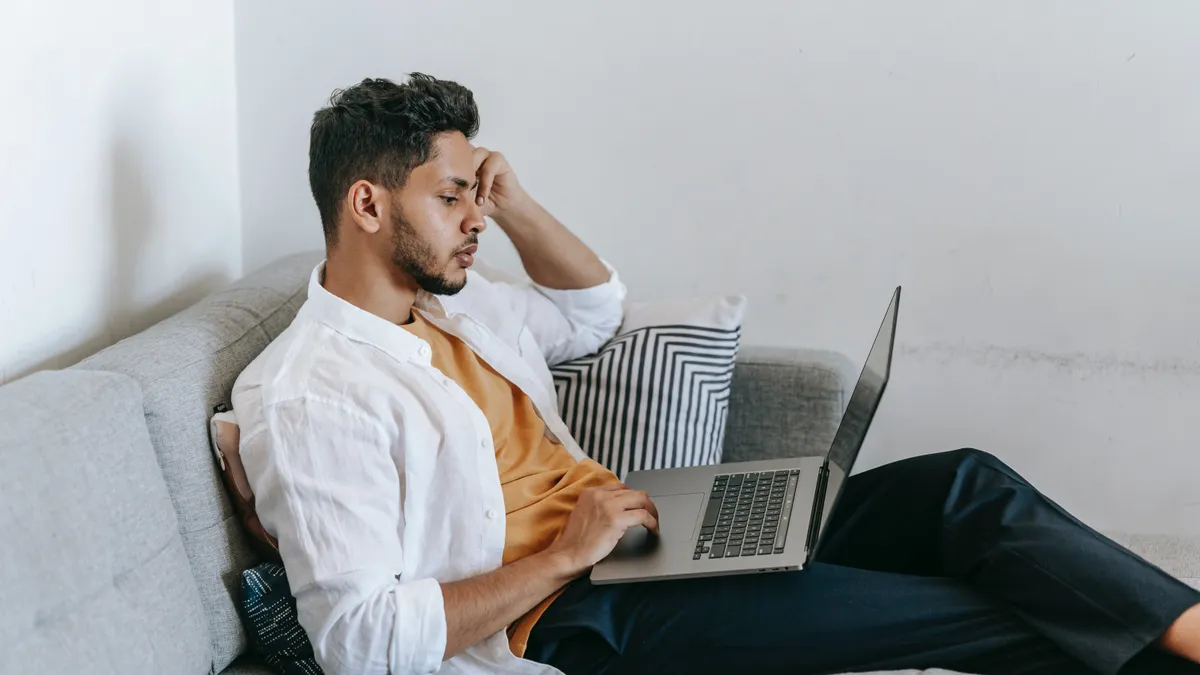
pixel 654 397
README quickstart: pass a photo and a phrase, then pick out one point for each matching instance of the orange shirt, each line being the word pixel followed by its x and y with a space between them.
pixel 541 481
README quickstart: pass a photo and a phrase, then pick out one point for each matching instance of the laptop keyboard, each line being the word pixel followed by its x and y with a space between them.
pixel 747 514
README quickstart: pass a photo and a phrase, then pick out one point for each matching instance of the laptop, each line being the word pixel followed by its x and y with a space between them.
pixel 750 517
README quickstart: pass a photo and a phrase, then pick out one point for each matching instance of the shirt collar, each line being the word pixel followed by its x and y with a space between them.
pixel 358 324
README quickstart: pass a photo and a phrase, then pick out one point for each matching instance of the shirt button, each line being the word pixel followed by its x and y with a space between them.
pixel 491 514
pixel 483 443
pixel 424 350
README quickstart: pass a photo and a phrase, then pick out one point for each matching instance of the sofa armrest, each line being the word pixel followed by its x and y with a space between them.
pixel 785 402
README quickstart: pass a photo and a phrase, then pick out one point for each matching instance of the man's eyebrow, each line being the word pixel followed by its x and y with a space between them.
pixel 461 183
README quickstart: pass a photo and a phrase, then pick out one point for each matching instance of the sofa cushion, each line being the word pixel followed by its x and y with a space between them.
pixel 93 572
pixel 186 365
pixel 786 403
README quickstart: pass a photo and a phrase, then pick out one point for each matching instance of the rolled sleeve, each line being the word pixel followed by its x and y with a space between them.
pixel 327 489
pixel 421 614
pixel 361 626
pixel 569 324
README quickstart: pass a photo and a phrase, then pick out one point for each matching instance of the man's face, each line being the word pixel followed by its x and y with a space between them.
pixel 436 225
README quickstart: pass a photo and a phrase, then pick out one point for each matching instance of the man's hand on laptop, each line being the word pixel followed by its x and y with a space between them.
pixel 480 606
pixel 601 517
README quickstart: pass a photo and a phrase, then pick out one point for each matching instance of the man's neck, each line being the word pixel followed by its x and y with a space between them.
pixel 370 286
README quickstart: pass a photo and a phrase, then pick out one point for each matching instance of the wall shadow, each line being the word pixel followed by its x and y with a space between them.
pixel 136 223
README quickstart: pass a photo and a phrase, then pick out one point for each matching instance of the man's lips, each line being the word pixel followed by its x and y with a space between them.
pixel 466 257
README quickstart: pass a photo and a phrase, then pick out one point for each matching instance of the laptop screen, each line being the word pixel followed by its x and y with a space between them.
pixel 864 401
pixel 866 395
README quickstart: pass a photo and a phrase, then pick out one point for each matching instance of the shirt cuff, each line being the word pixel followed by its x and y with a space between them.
pixel 419 642
pixel 601 296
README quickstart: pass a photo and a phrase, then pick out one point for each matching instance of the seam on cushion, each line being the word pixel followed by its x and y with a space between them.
pixel 78 603
pixel 215 644
pixel 43 616
pixel 148 559
pixel 206 528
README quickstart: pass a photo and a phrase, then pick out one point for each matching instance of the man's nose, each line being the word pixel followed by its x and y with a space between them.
pixel 474 220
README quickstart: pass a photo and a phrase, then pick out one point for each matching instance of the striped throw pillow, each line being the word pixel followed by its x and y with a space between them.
pixel 657 395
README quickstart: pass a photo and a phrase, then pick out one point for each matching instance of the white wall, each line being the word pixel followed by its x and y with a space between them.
pixel 118 170
pixel 1028 170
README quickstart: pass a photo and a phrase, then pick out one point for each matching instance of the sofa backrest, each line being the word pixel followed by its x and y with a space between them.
pixel 786 402
pixel 93 573
pixel 185 366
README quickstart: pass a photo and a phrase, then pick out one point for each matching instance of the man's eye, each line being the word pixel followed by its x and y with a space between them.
pixel 450 200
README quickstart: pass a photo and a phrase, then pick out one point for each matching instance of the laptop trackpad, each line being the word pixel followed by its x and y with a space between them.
pixel 678 516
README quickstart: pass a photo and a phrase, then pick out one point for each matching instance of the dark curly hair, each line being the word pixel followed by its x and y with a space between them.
pixel 380 131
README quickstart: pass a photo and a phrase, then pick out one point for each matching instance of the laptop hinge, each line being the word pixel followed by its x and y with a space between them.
pixel 818 510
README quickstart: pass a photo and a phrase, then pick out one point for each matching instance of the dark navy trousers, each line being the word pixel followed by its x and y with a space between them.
pixel 942 561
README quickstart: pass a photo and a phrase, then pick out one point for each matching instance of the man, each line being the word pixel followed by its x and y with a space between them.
pixel 403 443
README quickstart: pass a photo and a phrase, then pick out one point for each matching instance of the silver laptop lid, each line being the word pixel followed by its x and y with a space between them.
pixel 864 401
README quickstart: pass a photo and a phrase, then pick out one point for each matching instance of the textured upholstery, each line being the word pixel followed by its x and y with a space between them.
pixel 785 403
pixel 93 574
pixel 186 365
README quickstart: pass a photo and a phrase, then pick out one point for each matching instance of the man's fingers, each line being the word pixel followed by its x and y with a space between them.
pixel 633 501
pixel 486 175
pixel 482 173
pixel 628 519
pixel 493 164
pixel 652 508
pixel 650 519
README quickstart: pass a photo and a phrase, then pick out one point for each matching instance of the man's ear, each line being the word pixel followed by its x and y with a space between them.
pixel 366 201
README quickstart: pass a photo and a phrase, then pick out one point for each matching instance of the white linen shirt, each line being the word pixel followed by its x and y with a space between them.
pixel 377 473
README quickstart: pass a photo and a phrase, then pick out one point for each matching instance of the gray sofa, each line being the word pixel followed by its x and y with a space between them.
pixel 122 554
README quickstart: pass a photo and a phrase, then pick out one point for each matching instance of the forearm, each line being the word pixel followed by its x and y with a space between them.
pixel 480 606
pixel 552 255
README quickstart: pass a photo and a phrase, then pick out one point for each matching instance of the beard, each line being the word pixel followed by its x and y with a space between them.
pixel 419 261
